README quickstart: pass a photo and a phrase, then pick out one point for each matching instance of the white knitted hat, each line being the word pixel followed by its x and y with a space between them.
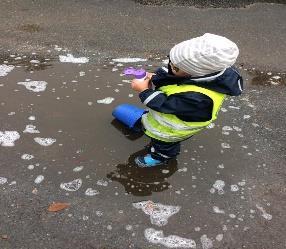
pixel 204 54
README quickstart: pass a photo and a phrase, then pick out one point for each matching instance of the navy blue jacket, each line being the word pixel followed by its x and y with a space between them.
pixel 191 106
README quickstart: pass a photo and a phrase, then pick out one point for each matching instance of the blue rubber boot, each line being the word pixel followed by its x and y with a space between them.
pixel 147 161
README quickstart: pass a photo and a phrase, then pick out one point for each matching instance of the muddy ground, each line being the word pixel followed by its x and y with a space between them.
pixel 227 188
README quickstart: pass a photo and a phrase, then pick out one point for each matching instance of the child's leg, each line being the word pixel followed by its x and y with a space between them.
pixel 164 151
pixel 159 153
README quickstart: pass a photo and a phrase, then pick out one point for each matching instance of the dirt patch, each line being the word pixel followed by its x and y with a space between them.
pixel 30 28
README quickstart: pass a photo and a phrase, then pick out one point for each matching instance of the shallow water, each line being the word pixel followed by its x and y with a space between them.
pixel 70 148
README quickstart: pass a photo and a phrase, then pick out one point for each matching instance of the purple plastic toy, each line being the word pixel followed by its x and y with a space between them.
pixel 139 74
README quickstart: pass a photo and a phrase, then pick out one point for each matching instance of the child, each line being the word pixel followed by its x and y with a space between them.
pixel 188 95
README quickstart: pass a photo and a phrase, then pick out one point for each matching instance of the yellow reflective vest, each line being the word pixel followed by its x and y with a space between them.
pixel 168 127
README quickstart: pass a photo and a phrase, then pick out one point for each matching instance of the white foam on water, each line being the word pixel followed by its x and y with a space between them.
pixel 265 215
pixel 171 241
pixel 34 86
pixel 84 217
pixel 217 210
pixel 225 145
pixel 212 190
pixel 71 186
pixel 32 118
pixel 27 157
pixel 233 107
pixel 276 77
pixel 225 133
pixel 3 180
pixel 184 169
pixel 234 188
pixel 221 166
pixel 44 141
pixel 5 69
pixel 242 183
pixel 39 179
pixel 233 216
pixel 102 183
pixel 91 192
pixel 206 242
pixel 34 61
pixel 57 48
pixel 236 128
pixel 69 58
pixel 219 237
pixel 128 60
pixel 78 169
pixel 128 227
pixel 219 185
pixel 8 138
pixel 99 213
pixel 31 167
pixel 31 129
pixel 106 101
pixel 159 213
pixel 227 128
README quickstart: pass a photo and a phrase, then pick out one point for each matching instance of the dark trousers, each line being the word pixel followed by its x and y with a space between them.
pixel 160 150
pixel 164 151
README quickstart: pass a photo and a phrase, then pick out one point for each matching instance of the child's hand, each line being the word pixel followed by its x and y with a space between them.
pixel 142 85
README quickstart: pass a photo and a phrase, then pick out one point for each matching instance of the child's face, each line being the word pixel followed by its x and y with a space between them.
pixel 172 69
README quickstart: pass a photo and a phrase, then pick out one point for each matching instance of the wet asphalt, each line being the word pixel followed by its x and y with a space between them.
pixel 207 3
pixel 229 181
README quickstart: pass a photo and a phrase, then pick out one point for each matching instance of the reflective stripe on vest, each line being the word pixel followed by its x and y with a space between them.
pixel 168 127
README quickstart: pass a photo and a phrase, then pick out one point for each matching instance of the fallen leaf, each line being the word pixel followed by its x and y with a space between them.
pixel 58 206
pixel 4 236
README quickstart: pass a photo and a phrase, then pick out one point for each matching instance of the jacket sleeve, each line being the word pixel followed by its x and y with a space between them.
pixel 188 106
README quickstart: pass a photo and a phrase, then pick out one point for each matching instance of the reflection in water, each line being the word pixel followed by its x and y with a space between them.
pixel 131 134
pixel 143 181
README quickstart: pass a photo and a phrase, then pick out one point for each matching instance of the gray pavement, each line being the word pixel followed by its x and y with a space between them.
pixel 207 3
pixel 227 188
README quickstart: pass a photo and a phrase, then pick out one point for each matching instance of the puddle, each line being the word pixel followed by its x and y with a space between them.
pixel 267 78
pixel 143 181
pixel 31 63
pixel 207 3
pixel 63 138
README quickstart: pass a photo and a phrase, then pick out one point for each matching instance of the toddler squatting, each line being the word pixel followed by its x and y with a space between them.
pixel 185 98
